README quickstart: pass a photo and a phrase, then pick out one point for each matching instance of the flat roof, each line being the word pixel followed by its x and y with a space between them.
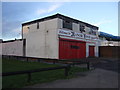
pixel 61 17
pixel 12 40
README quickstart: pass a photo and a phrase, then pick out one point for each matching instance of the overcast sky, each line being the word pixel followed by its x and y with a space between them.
pixel 102 14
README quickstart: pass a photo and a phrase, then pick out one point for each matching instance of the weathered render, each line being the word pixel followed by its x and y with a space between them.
pixel 14 47
pixel 42 42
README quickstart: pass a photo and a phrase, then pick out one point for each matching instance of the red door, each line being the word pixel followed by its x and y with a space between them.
pixel 71 49
pixel 91 51
pixel 82 50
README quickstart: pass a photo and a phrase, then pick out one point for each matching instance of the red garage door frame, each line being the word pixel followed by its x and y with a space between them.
pixel 71 49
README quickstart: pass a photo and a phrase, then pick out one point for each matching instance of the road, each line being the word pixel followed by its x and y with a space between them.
pixel 105 75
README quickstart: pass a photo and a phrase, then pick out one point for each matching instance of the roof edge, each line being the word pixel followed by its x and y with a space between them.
pixel 56 16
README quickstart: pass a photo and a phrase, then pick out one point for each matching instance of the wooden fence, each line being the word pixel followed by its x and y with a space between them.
pixel 66 68
pixel 51 60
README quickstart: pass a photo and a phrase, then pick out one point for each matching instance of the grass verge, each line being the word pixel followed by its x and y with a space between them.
pixel 18 81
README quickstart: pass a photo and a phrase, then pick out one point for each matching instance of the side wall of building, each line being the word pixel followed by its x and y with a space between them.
pixel 12 48
pixel 42 42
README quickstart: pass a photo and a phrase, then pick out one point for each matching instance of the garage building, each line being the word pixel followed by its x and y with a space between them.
pixel 60 37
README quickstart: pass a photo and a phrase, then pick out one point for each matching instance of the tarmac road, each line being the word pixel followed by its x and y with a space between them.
pixel 97 78
pixel 105 75
pixel 108 64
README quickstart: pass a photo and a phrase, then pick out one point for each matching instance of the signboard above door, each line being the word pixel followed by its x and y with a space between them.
pixel 72 34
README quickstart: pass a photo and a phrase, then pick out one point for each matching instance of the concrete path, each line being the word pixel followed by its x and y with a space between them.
pixel 98 78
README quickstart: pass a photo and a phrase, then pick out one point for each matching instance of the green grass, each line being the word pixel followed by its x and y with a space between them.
pixel 18 81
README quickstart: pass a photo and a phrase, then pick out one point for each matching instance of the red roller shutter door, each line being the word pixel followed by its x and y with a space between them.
pixel 71 49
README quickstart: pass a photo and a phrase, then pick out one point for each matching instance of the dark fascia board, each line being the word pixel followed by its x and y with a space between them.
pixel 40 20
pixel 12 40
pixel 61 17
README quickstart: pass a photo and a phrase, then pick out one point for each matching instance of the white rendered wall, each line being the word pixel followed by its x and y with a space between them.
pixel 42 42
pixel 12 48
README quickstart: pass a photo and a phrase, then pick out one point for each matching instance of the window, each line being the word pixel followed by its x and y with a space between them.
pixel 82 28
pixel 93 32
pixel 37 25
pixel 75 47
pixel 67 24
